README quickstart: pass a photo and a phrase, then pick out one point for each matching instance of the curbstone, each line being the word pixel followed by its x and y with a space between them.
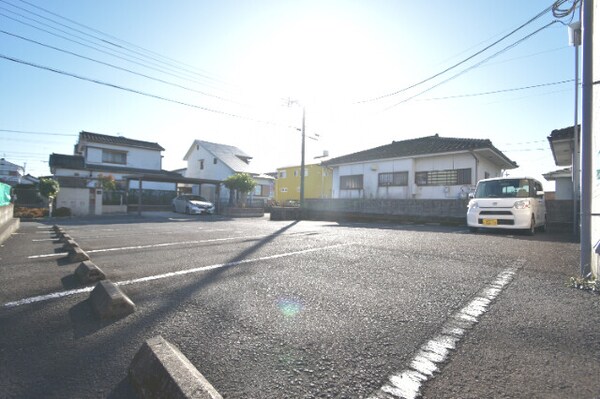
pixel 69 245
pixel 87 272
pixel 108 301
pixel 65 238
pixel 160 370
pixel 77 254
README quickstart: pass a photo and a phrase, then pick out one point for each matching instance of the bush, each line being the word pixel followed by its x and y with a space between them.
pixel 61 212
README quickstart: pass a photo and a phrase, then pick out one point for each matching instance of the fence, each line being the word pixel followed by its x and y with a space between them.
pixel 4 194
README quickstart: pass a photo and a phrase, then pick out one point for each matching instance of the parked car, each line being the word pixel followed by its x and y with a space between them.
pixel 507 203
pixel 192 204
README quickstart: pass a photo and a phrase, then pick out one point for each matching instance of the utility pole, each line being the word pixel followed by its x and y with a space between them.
pixel 575 41
pixel 302 166
pixel 587 177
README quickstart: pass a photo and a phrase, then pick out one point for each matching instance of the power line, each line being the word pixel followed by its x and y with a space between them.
pixel 115 86
pixel 115 66
pixel 475 65
pixel 539 15
pixel 498 91
pixel 36 133
pixel 194 70
pixel 124 56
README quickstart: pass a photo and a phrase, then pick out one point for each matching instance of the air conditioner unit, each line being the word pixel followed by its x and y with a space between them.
pixel 374 167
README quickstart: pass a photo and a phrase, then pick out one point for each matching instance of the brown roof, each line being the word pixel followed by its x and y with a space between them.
pixel 117 140
pixel 420 146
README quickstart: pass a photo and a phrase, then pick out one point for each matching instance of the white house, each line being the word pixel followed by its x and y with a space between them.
pixel 98 155
pixel 430 167
pixel 206 160
pixel 10 173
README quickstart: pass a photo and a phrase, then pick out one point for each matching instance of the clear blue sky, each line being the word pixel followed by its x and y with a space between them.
pixel 234 63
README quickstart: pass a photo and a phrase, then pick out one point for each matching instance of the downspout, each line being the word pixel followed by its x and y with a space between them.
pixel 476 166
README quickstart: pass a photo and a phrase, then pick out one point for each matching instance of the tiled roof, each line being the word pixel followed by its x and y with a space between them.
pixel 117 140
pixel 563 134
pixel 66 161
pixel 566 172
pixel 420 146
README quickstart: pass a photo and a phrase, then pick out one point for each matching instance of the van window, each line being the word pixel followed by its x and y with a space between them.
pixel 505 188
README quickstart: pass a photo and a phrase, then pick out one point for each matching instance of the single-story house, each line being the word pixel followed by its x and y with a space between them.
pixel 431 167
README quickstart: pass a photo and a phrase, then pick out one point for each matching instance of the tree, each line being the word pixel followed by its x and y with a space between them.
pixel 48 188
pixel 239 184
pixel 107 182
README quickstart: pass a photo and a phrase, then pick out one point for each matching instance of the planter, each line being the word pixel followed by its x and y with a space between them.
pixel 244 212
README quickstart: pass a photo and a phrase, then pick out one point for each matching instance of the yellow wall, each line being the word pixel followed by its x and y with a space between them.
pixel 317 183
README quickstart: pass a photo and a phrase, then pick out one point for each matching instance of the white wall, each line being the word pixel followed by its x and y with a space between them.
pixel 136 157
pixel 152 185
pixel 371 170
pixel 77 199
pixel 220 171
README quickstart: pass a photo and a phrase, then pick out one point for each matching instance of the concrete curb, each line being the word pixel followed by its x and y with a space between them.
pixel 87 272
pixel 160 370
pixel 109 302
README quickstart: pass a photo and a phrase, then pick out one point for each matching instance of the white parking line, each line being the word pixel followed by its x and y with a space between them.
pixel 407 384
pixel 62 294
pixel 166 244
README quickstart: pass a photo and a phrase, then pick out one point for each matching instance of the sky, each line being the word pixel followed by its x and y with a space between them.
pixel 240 73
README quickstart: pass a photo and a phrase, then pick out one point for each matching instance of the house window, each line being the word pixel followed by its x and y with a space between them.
pixel 214 161
pixel 296 172
pixel 282 174
pixel 201 164
pixel 352 182
pixel 118 157
pixel 393 179
pixel 257 189
pixel 449 177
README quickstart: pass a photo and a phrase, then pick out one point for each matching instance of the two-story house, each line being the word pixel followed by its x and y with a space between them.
pixel 96 156
pixel 431 167
pixel 317 183
pixel 213 161
pixel 10 173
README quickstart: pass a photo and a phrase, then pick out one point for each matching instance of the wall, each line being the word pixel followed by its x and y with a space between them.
pixel 371 170
pixel 317 183
pixel 8 224
pixel 77 199
pixel 559 213
pixel 136 157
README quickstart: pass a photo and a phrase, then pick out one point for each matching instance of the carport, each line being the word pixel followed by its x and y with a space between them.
pixel 170 179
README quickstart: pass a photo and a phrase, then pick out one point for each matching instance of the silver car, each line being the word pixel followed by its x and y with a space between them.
pixel 193 204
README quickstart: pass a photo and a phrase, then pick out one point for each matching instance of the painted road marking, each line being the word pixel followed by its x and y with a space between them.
pixel 407 384
pixel 62 294
pixel 166 244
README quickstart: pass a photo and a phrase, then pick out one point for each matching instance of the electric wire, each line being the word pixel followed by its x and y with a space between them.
pixel 118 67
pixel 36 133
pixel 107 50
pixel 114 39
pixel 135 91
pixel 510 46
pixel 539 15
pixel 498 91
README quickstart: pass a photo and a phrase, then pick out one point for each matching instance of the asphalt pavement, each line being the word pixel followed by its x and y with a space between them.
pixel 287 309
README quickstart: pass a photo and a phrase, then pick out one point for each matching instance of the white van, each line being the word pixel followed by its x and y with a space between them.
pixel 507 203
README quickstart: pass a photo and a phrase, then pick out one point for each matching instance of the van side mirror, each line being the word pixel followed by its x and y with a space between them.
pixel 471 195
pixel 539 194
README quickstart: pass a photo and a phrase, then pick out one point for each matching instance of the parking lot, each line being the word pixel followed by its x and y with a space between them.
pixel 290 309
